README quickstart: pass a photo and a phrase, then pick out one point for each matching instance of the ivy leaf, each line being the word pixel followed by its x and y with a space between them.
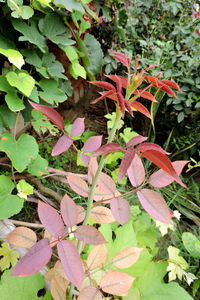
pixel 22 288
pixel 9 204
pixel 38 166
pixel 77 70
pixel 30 33
pixel 70 5
pixel 41 124
pixel 13 101
pixel 25 12
pixel 55 30
pixel 19 151
pixel 24 189
pixel 22 81
pixel 51 93
pixel 9 257
pixel 13 56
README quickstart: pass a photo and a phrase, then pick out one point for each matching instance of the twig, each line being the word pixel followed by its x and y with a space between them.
pixel 34 225
pixel 45 199
pixel 63 173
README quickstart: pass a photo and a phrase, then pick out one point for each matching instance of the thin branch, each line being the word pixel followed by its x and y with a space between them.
pixel 34 225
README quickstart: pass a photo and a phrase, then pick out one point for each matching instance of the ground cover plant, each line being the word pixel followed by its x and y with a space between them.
pixel 112 260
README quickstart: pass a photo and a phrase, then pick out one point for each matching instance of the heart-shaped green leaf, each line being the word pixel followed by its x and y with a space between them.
pixel 21 151
pixel 22 81
pixel 9 204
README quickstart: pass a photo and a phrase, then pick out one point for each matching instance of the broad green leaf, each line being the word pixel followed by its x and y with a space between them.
pixel 24 189
pixel 53 66
pixel 70 5
pixel 7 117
pixel 9 257
pixel 32 57
pixel 45 3
pixel 25 12
pixel 128 134
pixel 30 33
pixel 77 70
pixel 55 30
pixel 191 243
pixel 22 288
pixel 19 151
pixel 9 204
pixel 13 101
pixel 51 93
pixel 71 53
pixel 13 56
pixel 38 166
pixel 41 124
pixel 14 4
pixel 22 81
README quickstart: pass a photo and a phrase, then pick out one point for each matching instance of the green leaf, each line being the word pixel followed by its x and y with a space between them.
pixel 77 70
pixel 189 242
pixel 38 166
pixel 9 257
pixel 55 30
pixel 175 258
pixel 14 4
pixel 71 53
pixel 51 93
pixel 25 12
pixel 128 134
pixel 22 288
pixel 7 117
pixel 30 33
pixel 53 66
pixel 22 81
pixel 13 56
pixel 21 151
pixel 41 124
pixel 111 119
pixel 24 189
pixel 32 57
pixel 13 101
pixel 9 204
pixel 70 5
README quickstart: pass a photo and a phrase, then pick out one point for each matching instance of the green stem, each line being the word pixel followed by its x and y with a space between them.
pixel 93 186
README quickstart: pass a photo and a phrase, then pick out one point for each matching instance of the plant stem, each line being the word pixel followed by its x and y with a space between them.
pixel 94 184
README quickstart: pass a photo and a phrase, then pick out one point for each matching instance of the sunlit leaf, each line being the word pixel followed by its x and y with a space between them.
pixel 90 293
pixel 97 257
pixel 9 257
pixel 78 185
pixel 89 235
pixel 136 171
pixel 126 257
pixel 22 237
pixel 92 144
pixel 102 215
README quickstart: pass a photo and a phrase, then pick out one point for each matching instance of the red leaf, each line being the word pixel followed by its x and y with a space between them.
pixel 121 102
pixel 151 66
pixel 104 85
pixel 152 80
pixel 122 58
pixel 136 140
pixel 104 95
pixel 92 144
pixel 63 144
pixel 34 260
pixel 71 262
pixel 108 148
pixel 136 171
pixel 85 158
pixel 150 146
pixel 125 163
pixel 50 113
pixel 128 107
pixel 141 108
pixel 165 88
pixel 106 183
pixel 89 235
pixel 160 178
pixel 172 84
pixel 92 168
pixel 90 293
pixel 155 205
pixel 78 127
pixel 112 96
pixel 78 185
pixel 163 162
pixel 120 209
pixel 50 219
pixel 136 64
pixel 69 211
pixel 144 94
pixel 121 78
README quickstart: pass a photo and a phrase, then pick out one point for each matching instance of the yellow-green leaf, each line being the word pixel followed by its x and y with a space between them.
pixel 9 257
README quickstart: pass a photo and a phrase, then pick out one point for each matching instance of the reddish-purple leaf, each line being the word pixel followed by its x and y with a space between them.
pixel 103 95
pixel 108 148
pixel 165 88
pixel 89 235
pixel 125 163
pixel 121 102
pixel 69 211
pixel 34 260
pixel 106 183
pixel 92 144
pixel 121 78
pixel 163 162
pixel 155 205
pixel 50 113
pixel 122 58
pixel 136 171
pixel 78 185
pixel 141 108
pixel 63 144
pixel 145 94
pixel 172 84
pixel 92 168
pixel 85 158
pixel 120 209
pixel 136 140
pixel 160 178
pixel 151 146
pixel 104 85
pixel 78 127
pixel 152 80
pixel 50 219
pixel 128 107
pixel 71 262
